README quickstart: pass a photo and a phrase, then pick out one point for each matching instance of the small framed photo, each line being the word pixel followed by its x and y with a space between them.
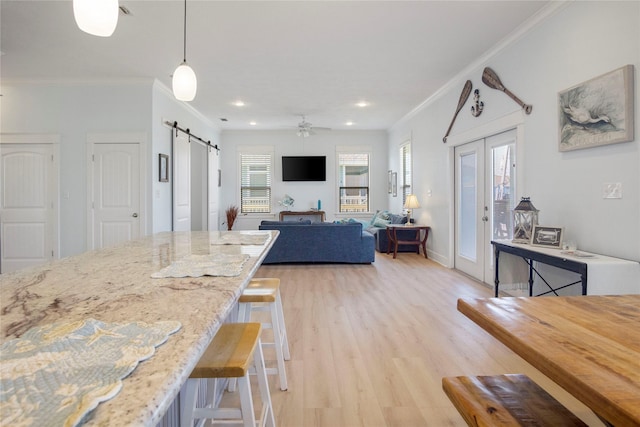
pixel 163 167
pixel 389 185
pixel 550 237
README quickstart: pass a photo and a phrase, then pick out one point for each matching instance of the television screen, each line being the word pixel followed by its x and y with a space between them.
pixel 304 168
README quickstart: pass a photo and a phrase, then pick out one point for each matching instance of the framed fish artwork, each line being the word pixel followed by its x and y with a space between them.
pixel 597 112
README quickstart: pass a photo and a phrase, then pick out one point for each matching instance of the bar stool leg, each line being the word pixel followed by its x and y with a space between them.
pixel 283 338
pixel 263 385
pixel 278 344
pixel 246 401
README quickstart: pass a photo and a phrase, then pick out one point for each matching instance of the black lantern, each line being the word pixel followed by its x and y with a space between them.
pixel 525 216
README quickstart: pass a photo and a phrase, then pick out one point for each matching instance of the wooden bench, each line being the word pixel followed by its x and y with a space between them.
pixel 506 400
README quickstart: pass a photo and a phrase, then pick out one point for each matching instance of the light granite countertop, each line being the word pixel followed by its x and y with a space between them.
pixel 115 285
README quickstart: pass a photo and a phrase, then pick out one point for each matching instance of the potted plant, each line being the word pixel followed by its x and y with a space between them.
pixel 232 213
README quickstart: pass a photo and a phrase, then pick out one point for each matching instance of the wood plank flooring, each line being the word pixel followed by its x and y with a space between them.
pixel 371 343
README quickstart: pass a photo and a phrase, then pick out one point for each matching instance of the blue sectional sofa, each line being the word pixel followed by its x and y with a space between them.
pixel 319 242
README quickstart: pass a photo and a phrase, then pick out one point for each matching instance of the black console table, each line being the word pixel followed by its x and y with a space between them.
pixel 529 255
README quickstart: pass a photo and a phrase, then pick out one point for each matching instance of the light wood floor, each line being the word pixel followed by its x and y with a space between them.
pixel 371 343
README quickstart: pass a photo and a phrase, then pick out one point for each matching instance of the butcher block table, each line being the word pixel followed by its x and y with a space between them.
pixel 589 345
pixel 116 285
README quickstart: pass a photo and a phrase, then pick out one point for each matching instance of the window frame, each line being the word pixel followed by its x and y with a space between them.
pixel 361 150
pixel 256 151
pixel 406 173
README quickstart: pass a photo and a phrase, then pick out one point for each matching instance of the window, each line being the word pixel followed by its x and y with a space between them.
pixel 353 181
pixel 405 171
pixel 255 182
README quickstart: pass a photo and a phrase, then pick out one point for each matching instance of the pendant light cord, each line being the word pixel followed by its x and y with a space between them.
pixel 185 32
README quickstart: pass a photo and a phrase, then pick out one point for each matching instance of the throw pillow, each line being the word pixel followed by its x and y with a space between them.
pixel 382 223
pixel 398 219
pixel 375 216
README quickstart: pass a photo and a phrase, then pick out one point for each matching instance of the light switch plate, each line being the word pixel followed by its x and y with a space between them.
pixel 612 190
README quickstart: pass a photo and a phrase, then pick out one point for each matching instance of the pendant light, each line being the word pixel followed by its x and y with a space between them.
pixel 96 17
pixel 184 80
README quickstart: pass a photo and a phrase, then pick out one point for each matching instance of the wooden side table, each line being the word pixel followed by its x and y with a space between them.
pixel 417 241
pixel 300 215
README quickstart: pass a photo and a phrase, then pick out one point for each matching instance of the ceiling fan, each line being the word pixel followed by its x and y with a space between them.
pixel 306 129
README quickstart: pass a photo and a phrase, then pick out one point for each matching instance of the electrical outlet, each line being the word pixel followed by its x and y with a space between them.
pixel 612 190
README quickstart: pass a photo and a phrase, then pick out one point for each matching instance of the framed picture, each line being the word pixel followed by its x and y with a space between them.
pixel 550 237
pixel 394 184
pixel 597 112
pixel 219 178
pixel 163 167
pixel 389 186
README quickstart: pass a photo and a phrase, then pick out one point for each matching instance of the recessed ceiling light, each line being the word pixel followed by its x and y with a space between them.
pixel 362 104
pixel 349 123
pixel 252 123
pixel 239 103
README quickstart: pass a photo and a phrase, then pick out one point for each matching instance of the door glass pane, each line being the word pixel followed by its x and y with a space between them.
pixel 468 197
pixel 503 190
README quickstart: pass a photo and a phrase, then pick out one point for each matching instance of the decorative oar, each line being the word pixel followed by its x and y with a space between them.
pixel 466 90
pixel 491 79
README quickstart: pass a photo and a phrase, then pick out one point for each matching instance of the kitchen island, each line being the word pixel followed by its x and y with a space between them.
pixel 115 285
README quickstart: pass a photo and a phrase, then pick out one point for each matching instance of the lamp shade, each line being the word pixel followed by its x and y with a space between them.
pixel 411 202
pixel 184 83
pixel 97 17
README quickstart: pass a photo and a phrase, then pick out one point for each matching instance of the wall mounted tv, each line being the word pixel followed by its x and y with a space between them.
pixel 304 168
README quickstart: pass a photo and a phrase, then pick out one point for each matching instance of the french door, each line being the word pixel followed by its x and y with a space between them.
pixel 484 199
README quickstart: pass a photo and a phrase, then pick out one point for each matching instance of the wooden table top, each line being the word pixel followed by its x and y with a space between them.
pixel 589 345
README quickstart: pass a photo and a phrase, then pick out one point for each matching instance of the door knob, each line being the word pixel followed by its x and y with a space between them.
pixel 485 218
pixel 135 215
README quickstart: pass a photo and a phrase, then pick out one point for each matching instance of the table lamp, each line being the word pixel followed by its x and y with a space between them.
pixel 411 203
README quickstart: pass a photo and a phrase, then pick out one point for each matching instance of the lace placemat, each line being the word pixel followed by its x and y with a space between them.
pixel 240 239
pixel 224 265
pixel 55 374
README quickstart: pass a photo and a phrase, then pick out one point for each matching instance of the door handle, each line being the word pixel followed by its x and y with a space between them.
pixel 135 215
pixel 485 218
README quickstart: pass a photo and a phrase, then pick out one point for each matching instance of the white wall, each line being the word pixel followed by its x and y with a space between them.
pixel 166 108
pixel 305 194
pixel 73 111
pixel 580 41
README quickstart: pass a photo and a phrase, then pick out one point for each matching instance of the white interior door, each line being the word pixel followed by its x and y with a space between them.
pixel 28 205
pixel 213 190
pixel 181 184
pixel 116 194
pixel 484 199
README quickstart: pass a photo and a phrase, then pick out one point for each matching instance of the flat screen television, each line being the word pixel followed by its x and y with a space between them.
pixel 304 168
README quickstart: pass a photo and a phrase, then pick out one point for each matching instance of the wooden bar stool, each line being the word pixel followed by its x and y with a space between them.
pixel 230 355
pixel 263 294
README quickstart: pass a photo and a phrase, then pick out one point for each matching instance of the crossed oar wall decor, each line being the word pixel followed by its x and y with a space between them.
pixel 491 79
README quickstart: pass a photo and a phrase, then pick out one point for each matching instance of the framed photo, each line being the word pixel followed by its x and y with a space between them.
pixel 394 184
pixel 597 112
pixel 389 186
pixel 550 237
pixel 163 167
pixel 219 178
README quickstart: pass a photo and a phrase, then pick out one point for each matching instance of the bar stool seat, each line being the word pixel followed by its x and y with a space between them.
pixel 230 355
pixel 263 294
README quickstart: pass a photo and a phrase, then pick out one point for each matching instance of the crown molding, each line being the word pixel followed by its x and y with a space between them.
pixel 543 14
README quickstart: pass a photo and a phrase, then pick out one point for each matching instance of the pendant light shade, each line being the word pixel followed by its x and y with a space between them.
pixel 184 80
pixel 184 83
pixel 97 17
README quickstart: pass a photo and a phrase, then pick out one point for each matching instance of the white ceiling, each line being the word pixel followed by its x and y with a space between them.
pixel 282 58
